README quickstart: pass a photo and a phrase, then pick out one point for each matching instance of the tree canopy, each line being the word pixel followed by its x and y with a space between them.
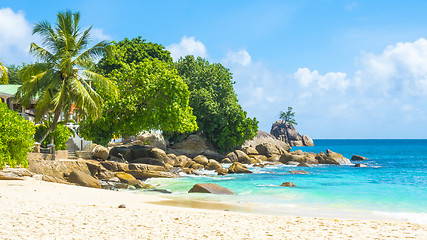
pixel 152 95
pixel 288 116
pixel 219 116
pixel 62 77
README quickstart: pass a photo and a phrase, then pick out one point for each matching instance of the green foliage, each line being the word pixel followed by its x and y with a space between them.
pixel 13 73
pixel 60 135
pixel 62 76
pixel 152 96
pixel 219 116
pixel 16 138
pixel 128 51
pixel 4 79
pixel 288 116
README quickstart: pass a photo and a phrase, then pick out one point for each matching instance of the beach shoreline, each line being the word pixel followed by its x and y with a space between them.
pixel 33 209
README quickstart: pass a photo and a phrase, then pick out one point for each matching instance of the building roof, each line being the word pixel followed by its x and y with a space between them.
pixel 8 89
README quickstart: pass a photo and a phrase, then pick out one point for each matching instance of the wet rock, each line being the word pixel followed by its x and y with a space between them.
pixel 288 184
pixel 260 158
pixel 221 171
pixel 360 165
pixel 238 168
pixel 232 156
pixel 274 158
pixel 131 180
pixel 358 158
pixel 210 188
pixel 213 165
pixel 304 165
pixel 286 157
pixel 241 156
pixel 332 158
pixel 298 172
pixel 226 160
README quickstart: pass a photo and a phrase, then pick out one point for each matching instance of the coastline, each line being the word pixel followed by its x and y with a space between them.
pixel 32 209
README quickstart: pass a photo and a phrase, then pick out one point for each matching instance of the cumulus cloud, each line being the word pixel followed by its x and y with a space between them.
pixel 388 90
pixel 241 57
pixel 99 35
pixel 187 46
pixel 15 36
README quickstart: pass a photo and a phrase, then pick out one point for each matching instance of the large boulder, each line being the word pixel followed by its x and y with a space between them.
pixel 151 161
pixel 298 172
pixel 202 160
pixel 148 152
pixel 83 179
pixel 307 141
pixel 100 152
pixel 121 152
pixel 232 157
pixel 141 166
pixel 250 150
pixel 191 146
pixel 153 139
pixel 288 184
pixel 332 158
pixel 287 133
pixel 268 149
pixel 57 168
pixel 263 137
pixel 131 180
pixel 210 188
pixel 238 168
pixel 286 157
pixel 213 165
pixel 241 156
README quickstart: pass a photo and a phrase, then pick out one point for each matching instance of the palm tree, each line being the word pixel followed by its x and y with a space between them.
pixel 62 76
pixel 3 74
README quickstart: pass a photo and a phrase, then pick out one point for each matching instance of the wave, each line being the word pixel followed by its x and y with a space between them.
pixel 420 218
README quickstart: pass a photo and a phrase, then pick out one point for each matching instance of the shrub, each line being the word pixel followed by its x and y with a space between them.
pixel 16 138
pixel 60 135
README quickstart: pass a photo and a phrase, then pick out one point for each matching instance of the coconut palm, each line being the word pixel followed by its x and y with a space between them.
pixel 3 74
pixel 62 76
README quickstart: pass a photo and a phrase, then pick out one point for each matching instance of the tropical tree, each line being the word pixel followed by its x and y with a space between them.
pixel 288 116
pixel 3 74
pixel 152 94
pixel 220 117
pixel 62 76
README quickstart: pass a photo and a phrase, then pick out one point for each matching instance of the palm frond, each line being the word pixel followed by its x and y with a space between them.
pixel 41 53
pixel 101 81
pixel 96 51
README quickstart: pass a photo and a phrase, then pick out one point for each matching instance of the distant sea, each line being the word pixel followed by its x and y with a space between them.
pixel 392 187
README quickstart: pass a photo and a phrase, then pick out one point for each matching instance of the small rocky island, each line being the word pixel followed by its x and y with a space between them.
pixel 286 132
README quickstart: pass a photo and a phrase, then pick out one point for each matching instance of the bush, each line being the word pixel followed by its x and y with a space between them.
pixel 16 138
pixel 60 135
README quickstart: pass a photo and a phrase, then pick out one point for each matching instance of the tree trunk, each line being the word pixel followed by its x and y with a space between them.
pixel 53 125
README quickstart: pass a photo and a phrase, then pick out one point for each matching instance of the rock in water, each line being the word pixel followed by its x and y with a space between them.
pixel 210 188
pixel 287 133
pixel 83 179
pixel 288 184
pixel 122 206
pixel 263 137
pixel 238 168
pixel 358 158
pixel 360 165
pixel 298 172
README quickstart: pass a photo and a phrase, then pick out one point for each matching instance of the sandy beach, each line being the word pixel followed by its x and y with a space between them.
pixel 33 209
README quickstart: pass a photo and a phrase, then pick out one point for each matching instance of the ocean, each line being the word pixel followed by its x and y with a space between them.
pixel 392 187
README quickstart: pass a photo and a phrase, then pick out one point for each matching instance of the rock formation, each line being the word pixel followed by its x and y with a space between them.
pixel 287 133
pixel 210 188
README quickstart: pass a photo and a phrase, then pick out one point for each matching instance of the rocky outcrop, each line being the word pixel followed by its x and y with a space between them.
pixel 144 174
pixel 358 158
pixel 14 174
pixel 100 152
pixel 288 184
pixel 262 138
pixel 287 133
pixel 360 165
pixel 131 180
pixel 194 145
pixel 153 139
pixel 210 188
pixel 332 158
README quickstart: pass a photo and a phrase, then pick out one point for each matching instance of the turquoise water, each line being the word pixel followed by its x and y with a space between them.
pixel 392 187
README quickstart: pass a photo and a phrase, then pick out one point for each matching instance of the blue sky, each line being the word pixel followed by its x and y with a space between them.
pixel 350 69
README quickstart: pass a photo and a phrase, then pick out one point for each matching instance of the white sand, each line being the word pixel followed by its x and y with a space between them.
pixel 33 209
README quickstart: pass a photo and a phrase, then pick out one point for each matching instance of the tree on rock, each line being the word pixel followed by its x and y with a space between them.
pixel 219 116
pixel 288 116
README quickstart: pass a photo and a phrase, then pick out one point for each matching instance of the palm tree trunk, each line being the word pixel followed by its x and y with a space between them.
pixel 53 125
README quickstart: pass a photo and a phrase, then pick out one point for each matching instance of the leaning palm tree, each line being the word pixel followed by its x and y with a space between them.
pixel 3 74
pixel 62 75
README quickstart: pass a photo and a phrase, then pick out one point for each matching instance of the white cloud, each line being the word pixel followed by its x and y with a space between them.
pixel 15 36
pixel 99 35
pixel 241 57
pixel 187 46
pixel 336 80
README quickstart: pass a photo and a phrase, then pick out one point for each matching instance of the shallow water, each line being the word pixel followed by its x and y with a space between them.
pixel 392 187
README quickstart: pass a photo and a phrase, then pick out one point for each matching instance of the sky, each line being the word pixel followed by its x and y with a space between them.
pixel 350 69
